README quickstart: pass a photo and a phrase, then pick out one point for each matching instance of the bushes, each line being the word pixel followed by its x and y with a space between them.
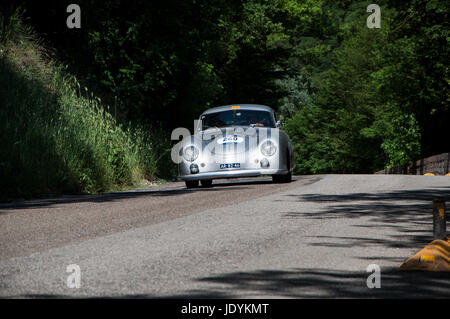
pixel 55 136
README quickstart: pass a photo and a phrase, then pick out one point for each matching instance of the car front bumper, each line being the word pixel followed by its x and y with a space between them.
pixel 232 174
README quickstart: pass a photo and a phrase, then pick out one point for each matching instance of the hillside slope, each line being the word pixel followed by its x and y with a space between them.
pixel 56 137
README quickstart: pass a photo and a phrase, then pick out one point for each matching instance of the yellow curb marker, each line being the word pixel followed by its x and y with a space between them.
pixel 428 174
pixel 427 258
pixel 433 257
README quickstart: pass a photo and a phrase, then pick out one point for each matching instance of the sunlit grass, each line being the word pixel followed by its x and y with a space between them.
pixel 55 136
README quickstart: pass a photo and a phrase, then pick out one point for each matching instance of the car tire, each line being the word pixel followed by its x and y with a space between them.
pixel 206 182
pixel 287 178
pixel 191 184
pixel 277 178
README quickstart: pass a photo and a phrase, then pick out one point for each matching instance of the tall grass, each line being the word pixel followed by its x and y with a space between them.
pixel 55 136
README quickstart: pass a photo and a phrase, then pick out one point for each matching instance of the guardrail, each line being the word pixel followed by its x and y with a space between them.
pixel 437 165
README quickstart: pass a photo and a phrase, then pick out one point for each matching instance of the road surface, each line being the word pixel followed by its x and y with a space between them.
pixel 314 237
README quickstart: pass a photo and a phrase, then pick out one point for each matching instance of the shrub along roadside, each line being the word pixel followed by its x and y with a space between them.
pixel 56 137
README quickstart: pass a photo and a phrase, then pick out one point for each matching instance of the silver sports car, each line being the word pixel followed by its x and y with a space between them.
pixel 235 141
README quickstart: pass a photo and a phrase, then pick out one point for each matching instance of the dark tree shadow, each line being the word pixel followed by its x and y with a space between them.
pixel 219 185
pixel 407 212
pixel 313 283
pixel 117 196
pixel 305 283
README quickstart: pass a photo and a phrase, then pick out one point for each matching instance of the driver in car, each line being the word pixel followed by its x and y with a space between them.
pixel 254 121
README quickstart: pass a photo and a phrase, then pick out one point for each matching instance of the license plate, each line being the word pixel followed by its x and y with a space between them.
pixel 230 165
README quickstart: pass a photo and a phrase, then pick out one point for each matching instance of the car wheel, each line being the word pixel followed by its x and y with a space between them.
pixel 287 178
pixel 191 184
pixel 277 178
pixel 282 178
pixel 206 182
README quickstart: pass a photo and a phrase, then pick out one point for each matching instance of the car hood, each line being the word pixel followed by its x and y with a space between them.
pixel 234 139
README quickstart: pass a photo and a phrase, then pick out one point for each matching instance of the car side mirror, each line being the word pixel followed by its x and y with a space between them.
pixel 278 124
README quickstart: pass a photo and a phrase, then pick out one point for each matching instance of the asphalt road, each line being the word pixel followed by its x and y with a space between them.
pixel 314 237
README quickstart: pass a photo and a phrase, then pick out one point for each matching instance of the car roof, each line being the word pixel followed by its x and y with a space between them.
pixel 254 107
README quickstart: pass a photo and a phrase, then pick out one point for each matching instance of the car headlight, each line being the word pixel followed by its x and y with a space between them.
pixel 268 148
pixel 190 153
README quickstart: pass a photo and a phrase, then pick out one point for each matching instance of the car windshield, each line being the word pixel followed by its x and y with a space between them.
pixel 237 118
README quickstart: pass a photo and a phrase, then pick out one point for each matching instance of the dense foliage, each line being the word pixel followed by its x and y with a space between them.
pixel 56 137
pixel 353 99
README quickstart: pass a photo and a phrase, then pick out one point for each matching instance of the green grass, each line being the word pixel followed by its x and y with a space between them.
pixel 55 136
